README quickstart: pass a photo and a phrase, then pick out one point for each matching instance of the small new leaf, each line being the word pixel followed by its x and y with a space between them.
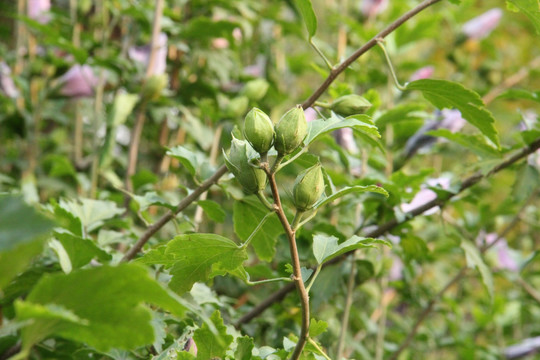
pixel 306 9
pixel 325 248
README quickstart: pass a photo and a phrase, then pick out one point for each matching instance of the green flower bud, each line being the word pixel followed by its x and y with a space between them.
pixel 153 86
pixel 259 130
pixel 237 107
pixel 251 178
pixel 350 105
pixel 308 188
pixel 255 89
pixel 290 131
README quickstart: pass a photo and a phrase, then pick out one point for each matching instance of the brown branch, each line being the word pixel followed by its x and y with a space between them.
pixel 382 229
pixel 297 271
pixel 371 43
pixel 152 229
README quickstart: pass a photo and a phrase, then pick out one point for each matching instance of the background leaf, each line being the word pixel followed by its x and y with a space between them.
pixel 326 247
pixel 85 306
pixel 448 94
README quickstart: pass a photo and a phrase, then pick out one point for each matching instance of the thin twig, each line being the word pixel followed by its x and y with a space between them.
pixel 347 309
pixel 141 116
pixel 382 229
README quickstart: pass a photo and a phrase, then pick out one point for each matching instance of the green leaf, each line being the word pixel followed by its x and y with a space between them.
pixel 19 242
pixel 15 218
pixel 194 257
pixel 191 160
pixel 351 189
pixel 80 251
pixel 247 214
pixel 325 247
pixel 243 348
pixel 317 327
pixel 474 259
pixel 122 106
pixel 92 213
pixel 448 94
pixel 399 114
pixel 203 28
pixel 414 247
pixel 520 94
pixel 102 307
pixel 475 143
pixel 306 9
pixel 214 211
pixel 212 344
pixel 149 199
pixel 531 8
pixel 360 123
pixel 527 181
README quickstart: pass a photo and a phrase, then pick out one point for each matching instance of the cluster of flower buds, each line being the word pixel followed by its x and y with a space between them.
pixel 286 136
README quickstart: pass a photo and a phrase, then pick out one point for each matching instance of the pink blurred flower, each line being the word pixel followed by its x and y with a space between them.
pixel 423 73
pixel 191 347
pixel 142 54
pixel 371 8
pixel 38 9
pixel 311 114
pixel 7 86
pixel 79 81
pixel 220 43
pixel 481 26
pixel 426 195
pixel 396 271
pixel 345 138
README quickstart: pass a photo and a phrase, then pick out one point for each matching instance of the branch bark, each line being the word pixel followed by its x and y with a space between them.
pixel 382 229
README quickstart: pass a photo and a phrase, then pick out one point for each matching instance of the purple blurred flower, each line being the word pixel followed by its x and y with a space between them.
pixel 481 26
pixel 7 86
pixel 79 81
pixel 426 195
pixel 191 347
pixel 142 54
pixel 450 119
pixel 345 138
pixel 38 9
pixel 371 8
pixel 423 73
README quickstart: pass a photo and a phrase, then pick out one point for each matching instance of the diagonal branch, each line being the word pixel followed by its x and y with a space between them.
pixel 382 229
pixel 310 101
